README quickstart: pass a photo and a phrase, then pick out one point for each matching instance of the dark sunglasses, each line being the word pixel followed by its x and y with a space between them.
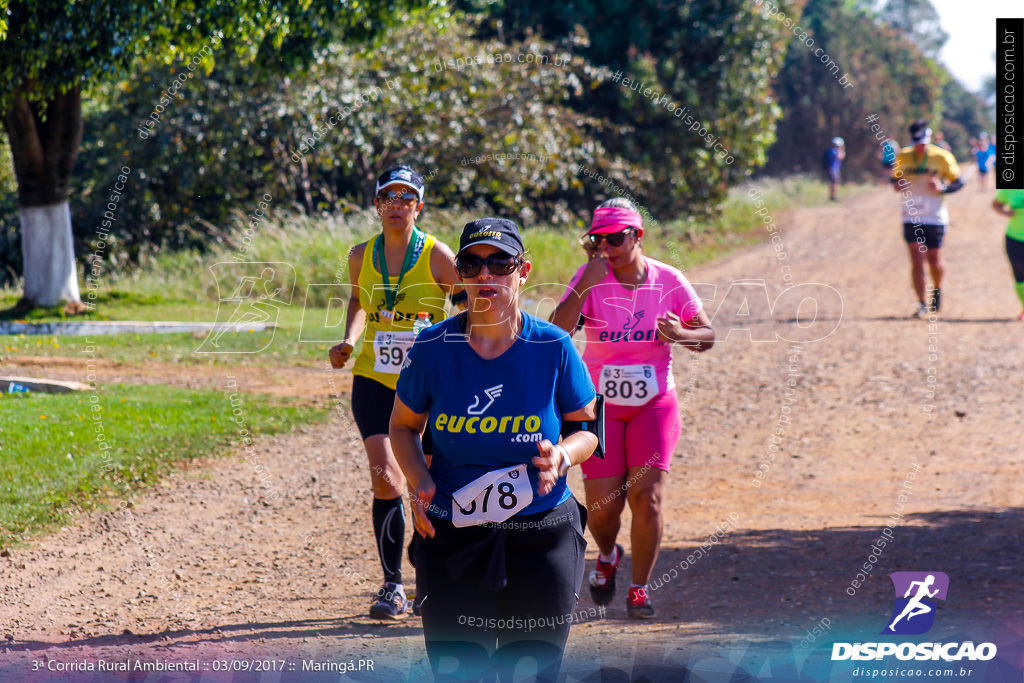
pixel 614 238
pixel 393 196
pixel 499 264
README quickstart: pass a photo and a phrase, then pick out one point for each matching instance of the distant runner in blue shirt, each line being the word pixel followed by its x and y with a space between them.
pixel 984 155
pixel 833 162
pixel 889 150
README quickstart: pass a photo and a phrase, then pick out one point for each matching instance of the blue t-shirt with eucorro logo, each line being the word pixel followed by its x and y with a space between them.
pixel 488 414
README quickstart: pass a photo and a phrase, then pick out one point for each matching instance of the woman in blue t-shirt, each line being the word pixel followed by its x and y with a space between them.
pixel 502 562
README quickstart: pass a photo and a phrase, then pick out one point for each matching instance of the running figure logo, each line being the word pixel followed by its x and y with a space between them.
pixel 634 321
pixel 914 612
pixel 492 393
pixel 258 292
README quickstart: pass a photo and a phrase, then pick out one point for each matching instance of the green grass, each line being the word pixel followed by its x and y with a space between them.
pixel 52 465
pixel 316 247
pixel 110 302
pixel 271 348
pixel 182 286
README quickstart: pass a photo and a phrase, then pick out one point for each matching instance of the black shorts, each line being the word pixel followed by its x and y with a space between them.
pixel 1015 252
pixel 929 235
pixel 493 595
pixel 372 403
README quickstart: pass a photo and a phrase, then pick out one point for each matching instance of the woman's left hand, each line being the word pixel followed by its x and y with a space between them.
pixel 670 328
pixel 420 501
pixel 547 462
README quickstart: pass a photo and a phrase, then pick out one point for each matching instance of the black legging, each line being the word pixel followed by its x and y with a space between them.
pixel 493 595
pixel 1015 252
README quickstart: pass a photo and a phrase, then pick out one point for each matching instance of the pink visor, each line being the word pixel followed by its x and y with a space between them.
pixel 615 219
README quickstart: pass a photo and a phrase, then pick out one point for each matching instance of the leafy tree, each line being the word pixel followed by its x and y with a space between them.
pixel 891 82
pixel 919 21
pixel 498 131
pixel 713 60
pixel 988 94
pixel 964 115
pixel 10 240
pixel 487 129
pixel 55 50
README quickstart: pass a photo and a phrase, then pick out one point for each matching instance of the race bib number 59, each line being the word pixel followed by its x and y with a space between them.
pixel 494 497
pixel 628 385
pixel 390 350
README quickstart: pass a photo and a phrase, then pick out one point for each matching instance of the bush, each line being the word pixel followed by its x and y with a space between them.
pixel 490 137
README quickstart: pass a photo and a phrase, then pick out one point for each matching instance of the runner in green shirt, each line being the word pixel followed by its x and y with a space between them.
pixel 1011 203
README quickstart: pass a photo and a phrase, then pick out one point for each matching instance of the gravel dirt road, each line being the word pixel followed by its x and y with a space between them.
pixel 208 567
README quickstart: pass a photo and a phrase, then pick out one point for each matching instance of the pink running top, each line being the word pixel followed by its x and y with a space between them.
pixel 621 325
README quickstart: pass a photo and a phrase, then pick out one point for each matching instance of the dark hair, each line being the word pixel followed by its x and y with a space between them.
pixel 619 202
pixel 919 125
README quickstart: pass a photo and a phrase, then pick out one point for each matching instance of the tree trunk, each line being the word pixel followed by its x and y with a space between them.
pixel 48 255
pixel 45 138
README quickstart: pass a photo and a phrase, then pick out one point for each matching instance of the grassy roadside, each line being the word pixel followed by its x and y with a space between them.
pixel 53 463
pixel 182 286
pixel 50 464
pixel 272 348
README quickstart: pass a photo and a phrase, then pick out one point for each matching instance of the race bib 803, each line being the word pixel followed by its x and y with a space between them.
pixel 628 385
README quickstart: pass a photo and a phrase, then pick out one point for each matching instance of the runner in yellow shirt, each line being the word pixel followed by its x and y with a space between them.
pixel 923 175
pixel 394 276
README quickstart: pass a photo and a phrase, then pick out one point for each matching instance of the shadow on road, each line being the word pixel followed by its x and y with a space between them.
pixel 801 576
pixel 759 591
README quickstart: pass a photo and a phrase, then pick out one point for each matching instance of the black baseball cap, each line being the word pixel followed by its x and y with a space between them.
pixel 401 175
pixel 496 232
pixel 920 133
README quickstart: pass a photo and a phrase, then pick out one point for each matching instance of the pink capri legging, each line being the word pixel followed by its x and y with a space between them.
pixel 637 436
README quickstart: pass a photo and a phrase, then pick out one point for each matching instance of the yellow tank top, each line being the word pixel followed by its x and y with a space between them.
pixel 386 340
